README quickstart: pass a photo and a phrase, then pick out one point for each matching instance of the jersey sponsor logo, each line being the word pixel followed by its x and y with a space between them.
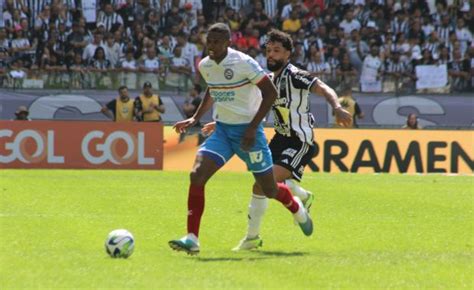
pixel 284 161
pixel 280 101
pixel 256 156
pixel 302 79
pixel 222 96
pixel 228 73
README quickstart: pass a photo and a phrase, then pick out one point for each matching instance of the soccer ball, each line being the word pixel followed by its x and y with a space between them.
pixel 120 244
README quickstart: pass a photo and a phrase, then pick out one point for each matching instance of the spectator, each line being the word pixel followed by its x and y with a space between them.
pixel 332 39
pixel 459 72
pixel 99 62
pixel 148 106
pixel 445 29
pixel 109 18
pixel 372 66
pixel 91 48
pixel 298 57
pixel 432 45
pixel 76 40
pixel 21 114
pixel 317 67
pixel 150 63
pixel 189 50
pixel 427 58
pixel 444 56
pixel 258 19
pixel 179 64
pixel 120 109
pixel 357 50
pixel 463 35
pixel 17 71
pixel 293 23
pixel 4 41
pixel 78 72
pixel 112 49
pixel 4 57
pixel 20 44
pixel 180 71
pixel 412 122
pixel 346 70
pixel 400 23
pixel 349 24
pixel 397 71
pixel 165 49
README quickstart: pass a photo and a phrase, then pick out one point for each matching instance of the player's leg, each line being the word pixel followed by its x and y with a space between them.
pixel 259 161
pixel 256 210
pixel 203 168
pixel 212 155
pixel 279 191
pixel 291 156
pixel 284 150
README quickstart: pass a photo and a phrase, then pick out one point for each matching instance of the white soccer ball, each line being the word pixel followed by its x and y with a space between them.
pixel 120 244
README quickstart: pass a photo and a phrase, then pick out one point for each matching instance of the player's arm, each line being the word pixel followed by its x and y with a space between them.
pixel 206 104
pixel 322 89
pixel 269 95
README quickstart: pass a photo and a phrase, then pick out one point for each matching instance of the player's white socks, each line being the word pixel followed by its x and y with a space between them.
pixel 258 205
pixel 296 190
pixel 300 216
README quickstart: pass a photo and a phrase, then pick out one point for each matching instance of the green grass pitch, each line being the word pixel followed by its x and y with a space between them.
pixel 371 231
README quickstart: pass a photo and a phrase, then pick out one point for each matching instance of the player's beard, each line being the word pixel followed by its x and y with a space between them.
pixel 277 64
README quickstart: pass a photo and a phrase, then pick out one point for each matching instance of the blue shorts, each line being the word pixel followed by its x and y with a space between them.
pixel 225 142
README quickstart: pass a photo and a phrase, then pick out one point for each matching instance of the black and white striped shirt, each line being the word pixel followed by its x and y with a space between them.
pixel 443 33
pixel 396 67
pixel 271 8
pixel 35 7
pixel 399 26
pixel 109 20
pixel 291 113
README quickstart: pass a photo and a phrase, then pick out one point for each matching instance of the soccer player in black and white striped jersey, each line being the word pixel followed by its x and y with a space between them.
pixel 293 144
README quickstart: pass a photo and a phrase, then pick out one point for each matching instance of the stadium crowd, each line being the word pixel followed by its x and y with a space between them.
pixel 84 42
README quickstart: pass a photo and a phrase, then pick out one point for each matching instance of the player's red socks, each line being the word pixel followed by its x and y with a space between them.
pixel 195 208
pixel 286 198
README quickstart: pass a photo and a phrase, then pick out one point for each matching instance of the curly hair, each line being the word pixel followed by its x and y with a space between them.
pixel 279 36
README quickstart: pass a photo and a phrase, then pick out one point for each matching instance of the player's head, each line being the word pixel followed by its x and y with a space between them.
pixel 218 40
pixel 123 92
pixel 278 48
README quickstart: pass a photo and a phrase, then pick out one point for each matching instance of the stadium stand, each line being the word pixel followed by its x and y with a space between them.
pixel 100 44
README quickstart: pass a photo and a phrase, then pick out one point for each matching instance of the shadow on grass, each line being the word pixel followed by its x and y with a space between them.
pixel 254 256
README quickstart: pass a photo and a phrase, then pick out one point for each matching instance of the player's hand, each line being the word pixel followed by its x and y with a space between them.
pixel 248 139
pixel 181 126
pixel 208 129
pixel 344 117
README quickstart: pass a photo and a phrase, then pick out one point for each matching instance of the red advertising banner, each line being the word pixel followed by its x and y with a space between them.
pixel 59 144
